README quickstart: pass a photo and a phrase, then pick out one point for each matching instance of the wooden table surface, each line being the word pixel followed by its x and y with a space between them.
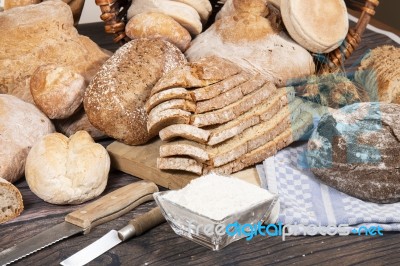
pixel 161 246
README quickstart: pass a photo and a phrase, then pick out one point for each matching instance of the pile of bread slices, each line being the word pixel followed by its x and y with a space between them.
pixel 220 118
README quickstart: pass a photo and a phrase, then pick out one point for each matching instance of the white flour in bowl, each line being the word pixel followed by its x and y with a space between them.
pixel 217 196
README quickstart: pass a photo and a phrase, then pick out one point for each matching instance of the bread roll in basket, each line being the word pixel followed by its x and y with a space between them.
pixel 114 14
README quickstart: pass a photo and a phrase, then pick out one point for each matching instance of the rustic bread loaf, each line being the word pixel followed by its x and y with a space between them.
pixel 233 7
pixel 318 26
pixel 57 91
pixel 48 43
pixel 184 14
pixel 63 170
pixel 379 73
pixel 253 44
pixel 115 99
pixel 356 151
pixel 154 25
pixel 21 126
pixel 11 204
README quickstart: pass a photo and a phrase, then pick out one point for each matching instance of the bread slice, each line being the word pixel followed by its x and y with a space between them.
pixel 181 104
pixel 160 120
pixel 167 95
pixel 184 14
pixel 230 96
pixel 11 204
pixel 232 111
pixel 184 131
pixel 184 148
pixel 204 72
pixel 203 7
pixel 184 164
pixel 216 89
pixel 299 128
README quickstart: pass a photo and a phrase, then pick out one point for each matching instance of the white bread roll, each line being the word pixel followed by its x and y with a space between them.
pixel 21 125
pixel 318 26
pixel 63 170
pixel 203 7
pixel 11 204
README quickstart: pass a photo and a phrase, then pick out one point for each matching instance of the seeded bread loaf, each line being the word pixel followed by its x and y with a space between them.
pixel 11 204
pixel 115 99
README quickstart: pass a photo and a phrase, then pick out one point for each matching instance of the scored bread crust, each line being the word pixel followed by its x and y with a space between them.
pixel 11 203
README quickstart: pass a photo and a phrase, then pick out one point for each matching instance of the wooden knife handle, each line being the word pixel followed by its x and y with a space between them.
pixel 112 205
pixel 147 221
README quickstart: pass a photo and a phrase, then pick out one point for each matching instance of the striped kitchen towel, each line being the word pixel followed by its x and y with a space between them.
pixel 305 200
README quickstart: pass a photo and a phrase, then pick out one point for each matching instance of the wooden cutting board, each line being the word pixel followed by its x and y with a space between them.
pixel 140 161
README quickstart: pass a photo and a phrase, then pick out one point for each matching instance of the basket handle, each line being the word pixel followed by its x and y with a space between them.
pixel 336 57
pixel 113 13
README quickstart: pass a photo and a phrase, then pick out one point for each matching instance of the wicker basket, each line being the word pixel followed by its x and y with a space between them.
pixel 114 15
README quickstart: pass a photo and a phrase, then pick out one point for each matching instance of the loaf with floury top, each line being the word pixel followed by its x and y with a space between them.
pixel 217 117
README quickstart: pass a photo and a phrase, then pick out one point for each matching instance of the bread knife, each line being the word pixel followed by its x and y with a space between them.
pixel 84 219
pixel 136 227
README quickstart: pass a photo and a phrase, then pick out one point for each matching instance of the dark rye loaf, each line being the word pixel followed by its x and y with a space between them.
pixel 115 98
pixel 357 151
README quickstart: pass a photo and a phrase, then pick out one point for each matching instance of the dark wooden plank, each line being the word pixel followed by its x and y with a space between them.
pixel 161 246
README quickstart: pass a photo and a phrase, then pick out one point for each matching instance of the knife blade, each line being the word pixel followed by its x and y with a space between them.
pixel 136 227
pixel 84 219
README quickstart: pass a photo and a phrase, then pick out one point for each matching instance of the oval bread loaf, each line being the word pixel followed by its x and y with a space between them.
pixel 115 99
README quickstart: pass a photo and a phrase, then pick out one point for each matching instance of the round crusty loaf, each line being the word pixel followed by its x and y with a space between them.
pixel 115 98
pixel 21 125
pixel 11 204
pixel 57 91
pixel 63 170
pixel 153 25
pixel 318 26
